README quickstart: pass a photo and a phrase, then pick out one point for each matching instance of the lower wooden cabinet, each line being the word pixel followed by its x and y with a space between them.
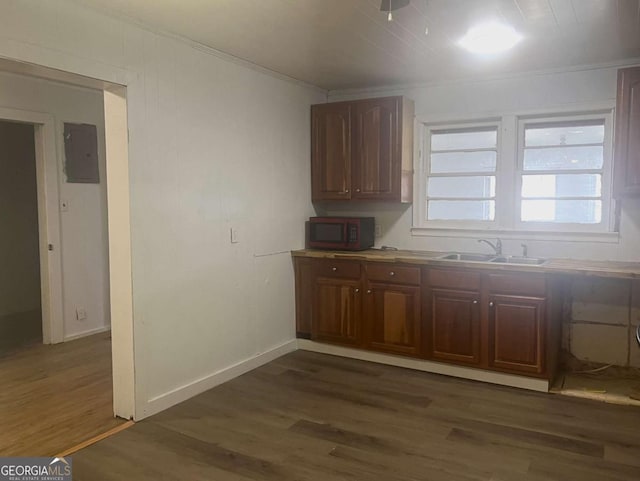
pixel 517 333
pixel 392 314
pixel 337 311
pixel 455 326
pixel 497 320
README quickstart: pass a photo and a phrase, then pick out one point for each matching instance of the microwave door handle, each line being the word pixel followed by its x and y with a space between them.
pixel 347 238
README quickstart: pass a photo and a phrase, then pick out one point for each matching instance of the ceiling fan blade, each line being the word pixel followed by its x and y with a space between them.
pixel 391 5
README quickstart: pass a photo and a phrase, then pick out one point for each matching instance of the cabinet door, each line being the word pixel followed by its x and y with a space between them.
pixel 516 333
pixel 377 149
pixel 455 326
pixel 627 134
pixel 337 311
pixel 304 276
pixel 392 318
pixel 331 151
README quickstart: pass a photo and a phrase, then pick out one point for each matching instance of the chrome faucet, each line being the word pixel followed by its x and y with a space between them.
pixel 497 247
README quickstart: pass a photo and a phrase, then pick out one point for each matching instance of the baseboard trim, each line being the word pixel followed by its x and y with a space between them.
pixel 532 384
pixel 90 332
pixel 187 391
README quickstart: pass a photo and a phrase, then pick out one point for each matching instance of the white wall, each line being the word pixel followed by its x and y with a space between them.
pixel 84 230
pixel 213 145
pixel 20 272
pixel 563 91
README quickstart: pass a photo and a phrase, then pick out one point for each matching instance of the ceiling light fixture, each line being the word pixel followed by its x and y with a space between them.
pixel 490 38
pixel 390 5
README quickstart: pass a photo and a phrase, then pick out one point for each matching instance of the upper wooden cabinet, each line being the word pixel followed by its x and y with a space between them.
pixel 362 150
pixel 331 151
pixel 627 134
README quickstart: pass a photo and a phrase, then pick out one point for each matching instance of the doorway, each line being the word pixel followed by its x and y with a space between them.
pixel 49 150
pixel 20 293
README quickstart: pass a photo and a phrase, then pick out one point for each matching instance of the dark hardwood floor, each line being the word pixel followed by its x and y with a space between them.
pixel 310 416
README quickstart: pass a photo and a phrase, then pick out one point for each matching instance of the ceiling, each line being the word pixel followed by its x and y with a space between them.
pixel 339 44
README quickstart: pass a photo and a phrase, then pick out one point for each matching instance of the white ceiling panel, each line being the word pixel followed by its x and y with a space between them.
pixel 337 44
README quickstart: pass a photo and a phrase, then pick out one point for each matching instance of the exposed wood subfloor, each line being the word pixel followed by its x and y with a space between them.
pixel 55 397
pixel 309 416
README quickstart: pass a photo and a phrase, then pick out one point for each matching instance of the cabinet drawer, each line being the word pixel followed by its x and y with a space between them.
pixel 393 273
pixel 529 284
pixel 338 269
pixel 454 279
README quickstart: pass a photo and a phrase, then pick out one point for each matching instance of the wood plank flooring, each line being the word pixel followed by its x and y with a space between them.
pixel 309 416
pixel 53 397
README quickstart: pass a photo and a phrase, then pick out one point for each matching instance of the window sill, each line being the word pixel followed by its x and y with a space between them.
pixel 602 237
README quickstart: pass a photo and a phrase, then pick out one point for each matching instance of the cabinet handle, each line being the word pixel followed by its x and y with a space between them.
pixel 368 291
pixel 334 269
pixel 392 273
pixel 357 290
pixel 357 190
pixel 475 301
pixel 491 304
pixel 346 191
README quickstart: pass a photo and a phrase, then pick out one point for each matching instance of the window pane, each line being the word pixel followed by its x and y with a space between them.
pixel 565 134
pixel 565 185
pixel 564 158
pixel 453 162
pixel 461 210
pixel 462 140
pixel 568 211
pixel 462 186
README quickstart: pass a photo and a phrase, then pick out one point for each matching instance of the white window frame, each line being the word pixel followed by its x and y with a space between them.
pixel 509 163
pixel 426 169
pixel 605 225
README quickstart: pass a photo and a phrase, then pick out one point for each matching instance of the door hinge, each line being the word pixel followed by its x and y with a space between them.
pixel 50 247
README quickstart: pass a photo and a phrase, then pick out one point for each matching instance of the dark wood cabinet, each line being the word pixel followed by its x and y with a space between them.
pixel 331 151
pixel 489 319
pixel 516 333
pixel 304 281
pixel 329 301
pixel 392 308
pixel 337 311
pixel 453 316
pixel 627 134
pixel 455 326
pixel 362 150
pixel 517 322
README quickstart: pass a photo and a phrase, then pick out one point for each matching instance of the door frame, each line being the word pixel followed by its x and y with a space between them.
pixel 127 401
pixel 51 296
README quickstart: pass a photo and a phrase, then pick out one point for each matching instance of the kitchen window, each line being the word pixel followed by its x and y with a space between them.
pixel 462 172
pixel 543 173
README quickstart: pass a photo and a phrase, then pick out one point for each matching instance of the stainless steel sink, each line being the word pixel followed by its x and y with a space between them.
pixel 468 257
pixel 531 261
pixel 460 256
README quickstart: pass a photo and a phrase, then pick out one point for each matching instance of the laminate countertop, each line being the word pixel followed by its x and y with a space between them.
pixel 625 270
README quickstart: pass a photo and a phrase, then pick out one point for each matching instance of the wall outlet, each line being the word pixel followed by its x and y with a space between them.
pixel 234 235
pixel 378 230
pixel 81 313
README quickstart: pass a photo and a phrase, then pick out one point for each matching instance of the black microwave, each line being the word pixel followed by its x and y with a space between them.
pixel 341 233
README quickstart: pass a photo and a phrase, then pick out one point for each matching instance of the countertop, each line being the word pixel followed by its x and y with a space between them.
pixel 625 270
